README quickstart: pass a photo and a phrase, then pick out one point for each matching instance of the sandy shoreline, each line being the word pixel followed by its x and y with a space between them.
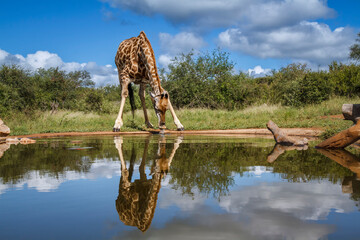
pixel 303 132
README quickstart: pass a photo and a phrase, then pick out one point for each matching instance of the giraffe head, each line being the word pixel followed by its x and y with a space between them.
pixel 160 105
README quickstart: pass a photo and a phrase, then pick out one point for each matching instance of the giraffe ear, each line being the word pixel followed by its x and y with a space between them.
pixel 152 95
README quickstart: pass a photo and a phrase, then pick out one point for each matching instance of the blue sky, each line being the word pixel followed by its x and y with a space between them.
pixel 259 34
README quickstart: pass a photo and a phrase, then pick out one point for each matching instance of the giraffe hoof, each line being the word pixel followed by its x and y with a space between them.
pixel 116 129
pixel 181 129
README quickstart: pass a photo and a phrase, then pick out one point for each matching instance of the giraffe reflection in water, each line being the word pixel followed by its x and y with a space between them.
pixel 137 200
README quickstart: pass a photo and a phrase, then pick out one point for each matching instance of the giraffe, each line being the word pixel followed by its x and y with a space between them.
pixel 137 200
pixel 135 61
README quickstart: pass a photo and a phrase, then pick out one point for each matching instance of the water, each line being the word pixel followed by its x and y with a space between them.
pixel 191 187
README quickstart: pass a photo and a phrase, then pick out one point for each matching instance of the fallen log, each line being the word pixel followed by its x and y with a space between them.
pixel 343 138
pixel 348 136
pixel 344 158
pixel 282 138
pixel 280 149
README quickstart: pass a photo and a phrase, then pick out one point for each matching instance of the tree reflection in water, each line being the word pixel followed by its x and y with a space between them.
pixel 137 200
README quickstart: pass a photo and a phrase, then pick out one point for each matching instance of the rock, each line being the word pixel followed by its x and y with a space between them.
pixel 27 141
pixel 282 138
pixel 4 130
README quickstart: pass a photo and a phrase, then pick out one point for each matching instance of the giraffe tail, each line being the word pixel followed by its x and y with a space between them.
pixel 132 100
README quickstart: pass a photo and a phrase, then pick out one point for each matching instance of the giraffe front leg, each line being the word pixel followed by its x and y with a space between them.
pixel 142 98
pixel 118 144
pixel 177 122
pixel 124 94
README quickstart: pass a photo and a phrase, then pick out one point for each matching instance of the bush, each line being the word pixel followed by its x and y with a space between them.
pixel 22 90
pixel 286 83
pixel 315 87
pixel 17 89
pixel 345 79
pixel 94 100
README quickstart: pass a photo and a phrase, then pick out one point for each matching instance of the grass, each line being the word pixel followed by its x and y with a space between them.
pixel 193 119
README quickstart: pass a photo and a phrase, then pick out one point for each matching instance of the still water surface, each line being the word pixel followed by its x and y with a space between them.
pixel 169 187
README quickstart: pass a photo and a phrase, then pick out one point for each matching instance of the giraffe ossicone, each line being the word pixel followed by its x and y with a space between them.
pixel 135 61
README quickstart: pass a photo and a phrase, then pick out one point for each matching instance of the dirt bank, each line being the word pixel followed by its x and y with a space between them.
pixel 304 132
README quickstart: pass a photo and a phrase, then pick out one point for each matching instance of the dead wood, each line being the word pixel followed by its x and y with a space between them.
pixel 282 138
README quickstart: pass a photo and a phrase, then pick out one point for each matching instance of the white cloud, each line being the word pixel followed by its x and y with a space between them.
pixel 43 59
pixel 282 210
pixel 101 75
pixel 282 29
pixel 165 60
pixel 182 42
pixel 307 41
pixel 207 14
pixel 171 197
pixel 275 14
pixel 258 71
pixel 306 201
pixel 3 55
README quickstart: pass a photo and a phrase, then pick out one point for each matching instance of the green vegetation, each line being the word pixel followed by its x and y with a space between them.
pixel 355 49
pixel 205 89
pixel 256 116
pixel 208 80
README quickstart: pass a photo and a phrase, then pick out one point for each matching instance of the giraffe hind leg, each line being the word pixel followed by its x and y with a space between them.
pixel 142 98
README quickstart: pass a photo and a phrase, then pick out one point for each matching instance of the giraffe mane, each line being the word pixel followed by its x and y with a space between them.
pixel 143 37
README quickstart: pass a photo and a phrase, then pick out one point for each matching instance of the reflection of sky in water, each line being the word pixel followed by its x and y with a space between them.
pixel 263 210
pixel 259 199
pixel 45 182
pixel 260 205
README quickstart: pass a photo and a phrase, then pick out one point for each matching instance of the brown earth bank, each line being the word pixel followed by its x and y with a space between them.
pixel 303 132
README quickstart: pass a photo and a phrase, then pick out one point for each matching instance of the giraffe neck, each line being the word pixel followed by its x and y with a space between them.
pixel 157 89
pixel 148 57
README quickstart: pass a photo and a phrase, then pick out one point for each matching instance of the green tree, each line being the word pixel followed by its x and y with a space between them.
pixel 17 89
pixel 194 80
pixel 285 86
pixel 355 49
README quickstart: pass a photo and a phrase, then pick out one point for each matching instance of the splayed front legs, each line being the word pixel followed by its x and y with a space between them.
pixel 124 94
pixel 177 122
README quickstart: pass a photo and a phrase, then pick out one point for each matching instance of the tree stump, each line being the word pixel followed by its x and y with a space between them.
pixel 282 138
pixel 351 112
pixel 348 136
